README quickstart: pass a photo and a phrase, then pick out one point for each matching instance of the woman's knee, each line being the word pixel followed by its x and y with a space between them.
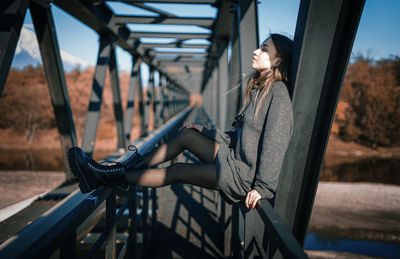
pixel 186 135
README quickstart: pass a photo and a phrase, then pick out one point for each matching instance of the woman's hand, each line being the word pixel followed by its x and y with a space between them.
pixel 199 128
pixel 252 198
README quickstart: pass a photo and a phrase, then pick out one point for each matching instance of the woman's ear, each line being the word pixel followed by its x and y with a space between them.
pixel 277 62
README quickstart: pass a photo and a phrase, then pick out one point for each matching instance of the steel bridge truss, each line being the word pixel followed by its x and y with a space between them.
pixel 323 41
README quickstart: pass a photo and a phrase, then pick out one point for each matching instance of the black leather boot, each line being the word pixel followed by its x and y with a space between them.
pixel 92 175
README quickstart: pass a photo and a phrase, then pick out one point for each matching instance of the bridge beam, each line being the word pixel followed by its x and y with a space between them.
pixel 323 41
pixel 46 34
pixel 149 98
pixel 177 35
pixel 130 106
pixel 212 2
pixel 117 103
pixel 124 19
pixel 96 96
pixel 174 45
pixel 12 18
pixel 99 17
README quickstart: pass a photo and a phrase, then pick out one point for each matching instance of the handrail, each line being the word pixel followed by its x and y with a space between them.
pixel 289 246
pixel 263 230
pixel 57 227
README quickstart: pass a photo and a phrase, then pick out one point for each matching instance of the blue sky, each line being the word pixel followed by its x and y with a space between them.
pixel 377 35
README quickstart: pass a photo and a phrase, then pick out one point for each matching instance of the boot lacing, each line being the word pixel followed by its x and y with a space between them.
pixel 117 165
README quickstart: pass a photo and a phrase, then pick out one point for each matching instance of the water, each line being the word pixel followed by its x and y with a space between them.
pixel 378 249
pixel 373 170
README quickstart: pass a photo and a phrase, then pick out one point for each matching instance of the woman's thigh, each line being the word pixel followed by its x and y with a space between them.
pixel 204 175
pixel 201 146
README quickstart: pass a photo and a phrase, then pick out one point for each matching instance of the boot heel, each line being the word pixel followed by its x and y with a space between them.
pixel 83 184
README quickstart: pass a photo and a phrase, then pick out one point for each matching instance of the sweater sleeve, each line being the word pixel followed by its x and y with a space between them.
pixel 273 143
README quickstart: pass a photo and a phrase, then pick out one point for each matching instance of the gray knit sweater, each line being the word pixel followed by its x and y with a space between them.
pixel 250 157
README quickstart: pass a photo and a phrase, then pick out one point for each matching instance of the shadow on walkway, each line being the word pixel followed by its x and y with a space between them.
pixel 187 224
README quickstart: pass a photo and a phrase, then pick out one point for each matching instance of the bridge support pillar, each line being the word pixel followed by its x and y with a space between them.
pixel 116 93
pixel 46 34
pixel 12 18
pixel 323 41
pixel 96 96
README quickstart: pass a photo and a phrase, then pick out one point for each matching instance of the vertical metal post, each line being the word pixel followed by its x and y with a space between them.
pixel 154 208
pixel 163 99
pixel 253 226
pixel 324 37
pixel 12 18
pixel 241 231
pixel 111 225
pixel 149 94
pixel 248 35
pixel 96 96
pixel 213 91
pixel 216 98
pixel 141 103
pixel 132 221
pixel 130 107
pixel 145 216
pixel 157 104
pixel 235 241
pixel 223 86
pixel 68 249
pixel 169 99
pixel 46 35
pixel 234 96
pixel 116 93
pixel 173 100
pixel 209 98
pixel 226 226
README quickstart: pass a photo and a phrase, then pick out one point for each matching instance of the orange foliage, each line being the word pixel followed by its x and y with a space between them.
pixel 369 109
pixel 25 104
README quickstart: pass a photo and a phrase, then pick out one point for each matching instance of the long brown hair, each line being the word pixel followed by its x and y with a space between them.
pixel 278 72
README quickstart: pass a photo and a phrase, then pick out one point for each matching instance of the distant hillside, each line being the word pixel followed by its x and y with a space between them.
pixel 25 105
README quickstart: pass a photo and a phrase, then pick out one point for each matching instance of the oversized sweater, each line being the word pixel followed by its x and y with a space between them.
pixel 251 156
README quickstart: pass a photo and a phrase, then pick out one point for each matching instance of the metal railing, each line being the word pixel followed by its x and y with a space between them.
pixel 261 233
pixel 59 227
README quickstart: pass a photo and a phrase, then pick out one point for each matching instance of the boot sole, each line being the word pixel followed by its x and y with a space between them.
pixel 72 158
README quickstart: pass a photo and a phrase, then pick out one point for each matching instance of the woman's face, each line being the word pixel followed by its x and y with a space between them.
pixel 265 56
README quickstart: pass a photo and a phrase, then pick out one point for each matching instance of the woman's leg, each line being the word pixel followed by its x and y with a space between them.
pixel 202 174
pixel 190 139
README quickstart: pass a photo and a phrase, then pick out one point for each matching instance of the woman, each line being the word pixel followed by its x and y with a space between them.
pixel 243 163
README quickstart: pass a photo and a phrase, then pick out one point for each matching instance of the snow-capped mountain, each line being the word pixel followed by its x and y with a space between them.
pixel 28 53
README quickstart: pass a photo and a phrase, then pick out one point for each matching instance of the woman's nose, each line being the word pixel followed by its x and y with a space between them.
pixel 255 51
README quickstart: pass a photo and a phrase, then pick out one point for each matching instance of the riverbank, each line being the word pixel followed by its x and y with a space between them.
pixel 360 211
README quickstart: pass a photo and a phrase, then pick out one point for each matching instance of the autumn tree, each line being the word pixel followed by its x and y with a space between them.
pixel 372 93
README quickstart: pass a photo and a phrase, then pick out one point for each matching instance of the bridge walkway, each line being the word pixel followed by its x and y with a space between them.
pixel 187 223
